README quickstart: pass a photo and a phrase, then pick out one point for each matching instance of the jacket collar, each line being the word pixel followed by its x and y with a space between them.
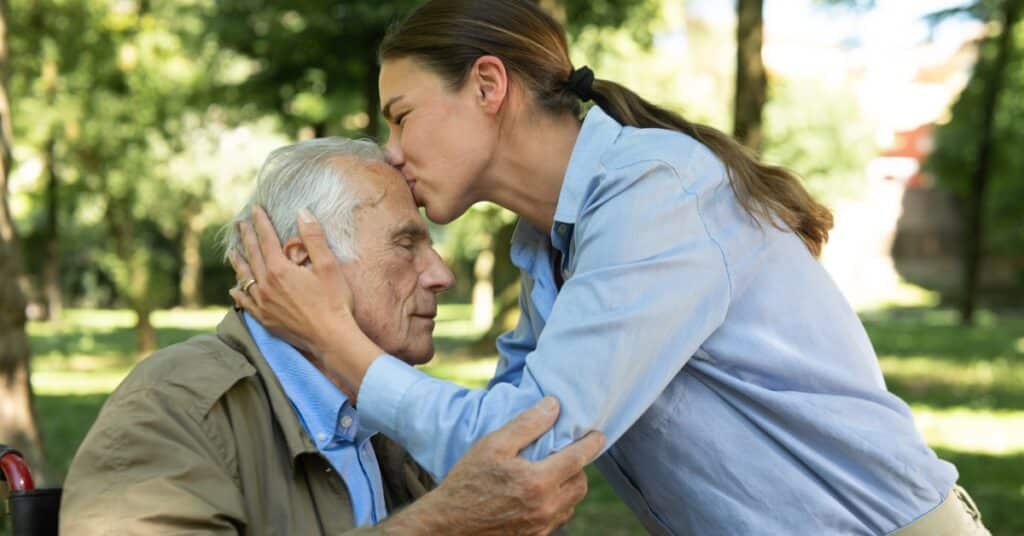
pixel 233 332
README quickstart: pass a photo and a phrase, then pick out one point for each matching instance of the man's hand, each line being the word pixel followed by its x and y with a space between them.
pixel 494 491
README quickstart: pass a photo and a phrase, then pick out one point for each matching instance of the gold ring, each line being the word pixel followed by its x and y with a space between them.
pixel 247 284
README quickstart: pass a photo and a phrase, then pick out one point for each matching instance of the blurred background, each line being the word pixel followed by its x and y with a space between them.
pixel 131 131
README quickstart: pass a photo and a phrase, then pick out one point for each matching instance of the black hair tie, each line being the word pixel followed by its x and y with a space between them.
pixel 581 82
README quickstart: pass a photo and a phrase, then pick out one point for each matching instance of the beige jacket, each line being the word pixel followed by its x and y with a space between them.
pixel 200 438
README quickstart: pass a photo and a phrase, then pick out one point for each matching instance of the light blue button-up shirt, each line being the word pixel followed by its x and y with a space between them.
pixel 738 390
pixel 330 421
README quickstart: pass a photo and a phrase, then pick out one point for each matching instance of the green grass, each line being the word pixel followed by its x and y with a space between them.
pixel 965 386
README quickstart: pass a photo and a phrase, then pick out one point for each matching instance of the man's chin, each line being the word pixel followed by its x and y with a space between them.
pixel 416 358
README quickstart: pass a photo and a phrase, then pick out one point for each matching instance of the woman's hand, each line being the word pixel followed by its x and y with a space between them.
pixel 309 305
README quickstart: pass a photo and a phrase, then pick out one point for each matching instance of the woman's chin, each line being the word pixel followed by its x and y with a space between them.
pixel 439 214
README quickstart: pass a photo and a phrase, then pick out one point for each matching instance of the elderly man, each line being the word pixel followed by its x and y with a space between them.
pixel 240 432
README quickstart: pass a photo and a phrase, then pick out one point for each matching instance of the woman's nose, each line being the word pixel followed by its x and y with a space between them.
pixel 393 152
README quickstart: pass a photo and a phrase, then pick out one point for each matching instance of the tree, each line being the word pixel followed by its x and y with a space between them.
pixel 17 416
pixel 313 63
pixel 974 153
pixel 751 80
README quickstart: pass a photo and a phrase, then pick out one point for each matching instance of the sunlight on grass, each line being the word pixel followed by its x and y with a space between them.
pixel 468 373
pixel 76 383
pixel 927 371
pixel 902 294
pixel 967 430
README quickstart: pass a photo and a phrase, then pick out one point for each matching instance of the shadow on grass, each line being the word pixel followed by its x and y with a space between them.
pixel 65 419
pixel 951 394
pixel 929 358
pixel 937 334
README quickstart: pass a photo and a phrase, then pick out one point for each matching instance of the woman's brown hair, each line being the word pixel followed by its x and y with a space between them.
pixel 448 36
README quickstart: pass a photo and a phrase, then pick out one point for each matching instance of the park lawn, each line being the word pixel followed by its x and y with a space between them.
pixel 965 386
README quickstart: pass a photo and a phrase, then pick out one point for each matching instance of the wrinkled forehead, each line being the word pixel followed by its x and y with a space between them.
pixel 381 190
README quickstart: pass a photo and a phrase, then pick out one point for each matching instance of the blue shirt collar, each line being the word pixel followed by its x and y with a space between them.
pixel 322 407
pixel 598 133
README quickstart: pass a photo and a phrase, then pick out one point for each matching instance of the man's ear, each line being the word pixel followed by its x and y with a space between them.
pixel 295 250
pixel 490 80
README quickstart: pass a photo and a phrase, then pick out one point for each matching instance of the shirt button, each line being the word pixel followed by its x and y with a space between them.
pixel 346 421
pixel 321 436
pixel 562 228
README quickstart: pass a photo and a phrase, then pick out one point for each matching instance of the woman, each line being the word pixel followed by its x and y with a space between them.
pixel 671 297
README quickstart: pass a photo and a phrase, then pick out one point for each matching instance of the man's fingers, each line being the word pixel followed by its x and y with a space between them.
pixel 314 238
pixel 526 428
pixel 563 465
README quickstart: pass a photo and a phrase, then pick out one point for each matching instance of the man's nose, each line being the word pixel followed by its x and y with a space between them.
pixel 436 277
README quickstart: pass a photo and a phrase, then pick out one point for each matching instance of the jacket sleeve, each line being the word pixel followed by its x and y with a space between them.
pixel 149 466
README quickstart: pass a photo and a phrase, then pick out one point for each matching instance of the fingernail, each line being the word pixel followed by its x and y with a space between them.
pixel 548 404
pixel 305 216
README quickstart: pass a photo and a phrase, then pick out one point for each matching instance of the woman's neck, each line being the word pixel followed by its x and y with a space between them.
pixel 526 176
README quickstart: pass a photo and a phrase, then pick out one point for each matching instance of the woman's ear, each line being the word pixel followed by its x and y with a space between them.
pixel 295 250
pixel 491 84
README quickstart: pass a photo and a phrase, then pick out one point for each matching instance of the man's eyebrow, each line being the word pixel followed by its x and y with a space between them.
pixel 386 109
pixel 410 229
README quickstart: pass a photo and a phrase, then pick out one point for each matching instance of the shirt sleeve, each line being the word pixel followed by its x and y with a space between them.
pixel 515 345
pixel 650 284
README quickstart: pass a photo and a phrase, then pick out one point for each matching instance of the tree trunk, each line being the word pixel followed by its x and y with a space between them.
pixel 483 287
pixel 17 410
pixel 191 284
pixel 51 268
pixel 751 80
pixel 974 228
pixel 134 278
pixel 145 332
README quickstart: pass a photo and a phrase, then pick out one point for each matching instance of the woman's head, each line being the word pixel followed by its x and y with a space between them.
pixel 454 62
pixel 456 77
pixel 448 36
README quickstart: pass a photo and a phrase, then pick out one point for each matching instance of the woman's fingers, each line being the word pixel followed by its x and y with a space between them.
pixel 250 241
pixel 270 246
pixel 242 300
pixel 313 237
pixel 243 274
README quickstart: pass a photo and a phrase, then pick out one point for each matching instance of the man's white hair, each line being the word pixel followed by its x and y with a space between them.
pixel 307 175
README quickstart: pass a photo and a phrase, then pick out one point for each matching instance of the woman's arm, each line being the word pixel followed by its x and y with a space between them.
pixel 650 285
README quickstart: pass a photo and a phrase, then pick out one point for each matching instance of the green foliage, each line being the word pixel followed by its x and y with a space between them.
pixel 826 141
pixel 954 159
pixel 313 63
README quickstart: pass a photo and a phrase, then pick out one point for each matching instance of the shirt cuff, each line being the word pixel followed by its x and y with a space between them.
pixel 382 391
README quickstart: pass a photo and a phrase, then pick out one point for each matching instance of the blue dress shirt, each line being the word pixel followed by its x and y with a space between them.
pixel 737 388
pixel 330 421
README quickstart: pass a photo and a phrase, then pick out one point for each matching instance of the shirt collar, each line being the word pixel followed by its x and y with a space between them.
pixel 597 134
pixel 321 406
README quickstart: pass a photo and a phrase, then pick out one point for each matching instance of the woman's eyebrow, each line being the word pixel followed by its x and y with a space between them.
pixel 386 109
